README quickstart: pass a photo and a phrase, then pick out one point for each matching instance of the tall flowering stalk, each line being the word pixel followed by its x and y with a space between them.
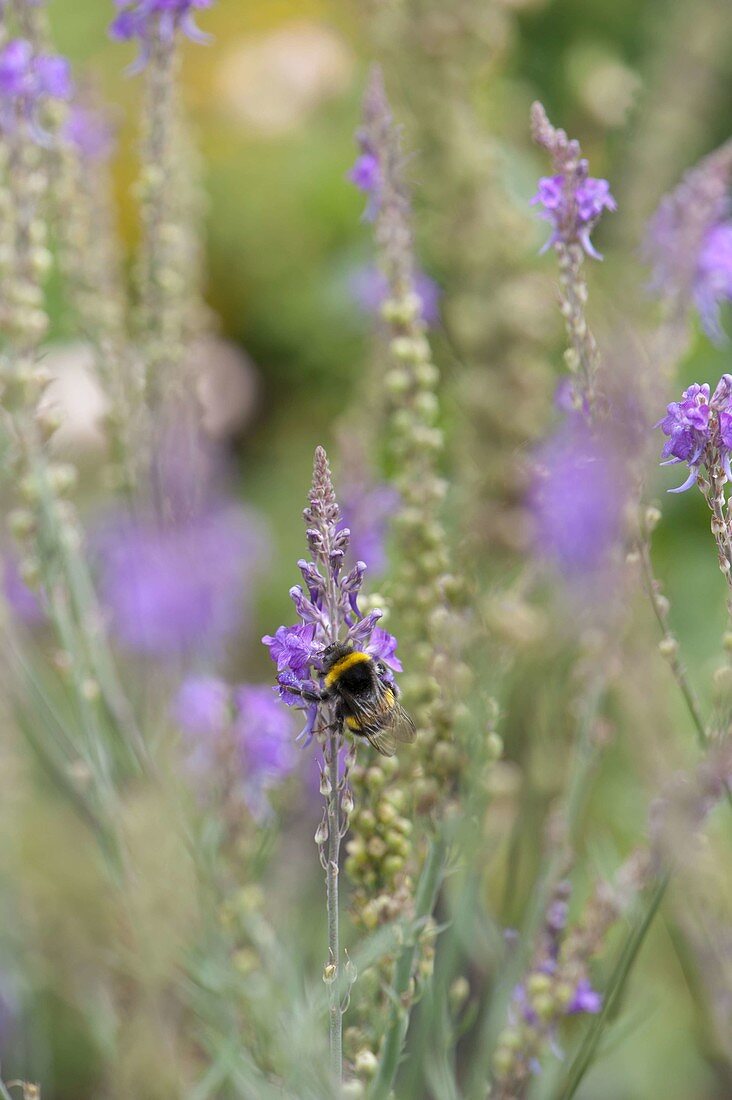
pixel 165 260
pixel 329 615
pixel 33 84
pixel 90 255
pixel 423 597
pixel 572 202
pixel 423 590
pixel 689 243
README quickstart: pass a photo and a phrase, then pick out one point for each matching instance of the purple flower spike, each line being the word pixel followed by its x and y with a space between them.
pixel 688 242
pixel 585 999
pixel 329 613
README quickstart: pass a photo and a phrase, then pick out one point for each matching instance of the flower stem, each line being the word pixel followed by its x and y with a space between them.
pixel 424 902
pixel 335 1017
pixel 616 985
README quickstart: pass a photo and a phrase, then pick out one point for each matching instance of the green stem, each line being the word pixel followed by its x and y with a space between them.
pixel 424 903
pixel 616 985
pixel 335 1015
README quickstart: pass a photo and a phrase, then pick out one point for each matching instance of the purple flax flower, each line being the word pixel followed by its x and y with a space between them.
pixel 180 588
pixel 27 81
pixel 585 999
pixel 150 20
pixel 328 606
pixel 576 501
pixel 369 288
pixel 573 205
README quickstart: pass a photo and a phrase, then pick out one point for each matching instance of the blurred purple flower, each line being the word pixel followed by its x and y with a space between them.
pixel 180 588
pixel 27 80
pixel 713 280
pixel 146 18
pixel 264 736
pixel 573 207
pixel 367 510
pixel 90 131
pixel 203 706
pixel 585 999
pixel 22 600
pixel 688 242
pixel 369 288
pixel 366 176
pixel 576 501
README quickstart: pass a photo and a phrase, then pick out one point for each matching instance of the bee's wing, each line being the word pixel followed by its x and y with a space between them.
pixel 397 727
pixel 400 725
pixel 382 740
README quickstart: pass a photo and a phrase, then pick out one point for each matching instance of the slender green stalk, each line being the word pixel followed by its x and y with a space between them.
pixel 335 1016
pixel 616 985
pixel 424 902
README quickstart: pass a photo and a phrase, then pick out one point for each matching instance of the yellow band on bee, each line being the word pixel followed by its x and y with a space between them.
pixel 353 723
pixel 345 662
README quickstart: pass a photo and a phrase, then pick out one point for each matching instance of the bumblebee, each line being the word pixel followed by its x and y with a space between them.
pixel 366 703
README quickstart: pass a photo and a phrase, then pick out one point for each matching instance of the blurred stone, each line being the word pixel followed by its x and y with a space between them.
pixel 226 387
pixel 75 398
pixel 272 82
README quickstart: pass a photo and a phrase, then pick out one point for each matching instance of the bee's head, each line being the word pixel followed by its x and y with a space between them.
pixel 333 653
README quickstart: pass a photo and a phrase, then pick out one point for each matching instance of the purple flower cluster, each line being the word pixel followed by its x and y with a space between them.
pixel 327 605
pixel 576 499
pixel 157 19
pixel 699 431
pixel 243 728
pixel 27 81
pixel 179 588
pixel 573 204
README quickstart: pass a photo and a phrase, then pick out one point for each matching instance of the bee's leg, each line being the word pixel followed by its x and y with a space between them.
pixel 306 694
